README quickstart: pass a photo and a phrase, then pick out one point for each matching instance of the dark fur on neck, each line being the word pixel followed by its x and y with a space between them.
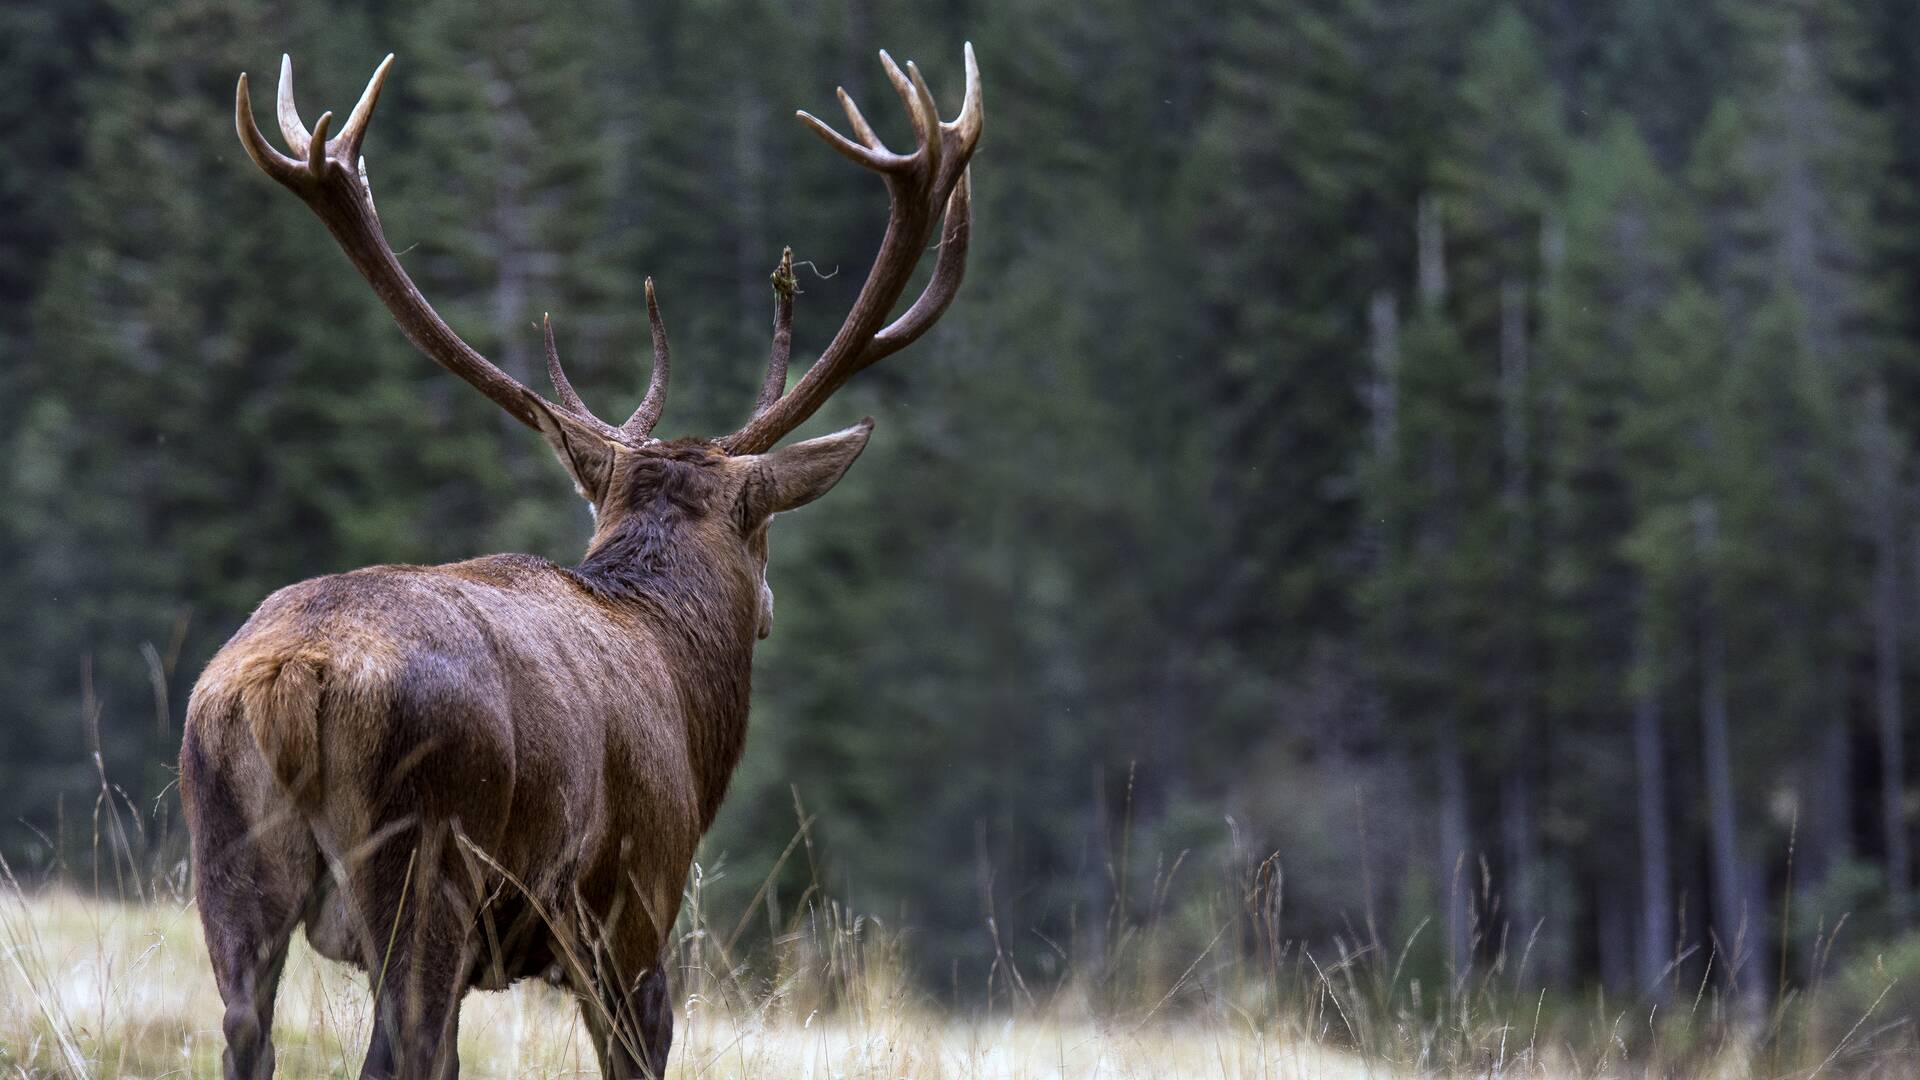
pixel 652 562
pixel 646 554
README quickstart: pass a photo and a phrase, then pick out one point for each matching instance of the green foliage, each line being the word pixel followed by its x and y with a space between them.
pixel 1878 986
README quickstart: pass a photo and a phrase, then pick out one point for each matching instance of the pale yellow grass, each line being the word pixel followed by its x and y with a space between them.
pixel 95 989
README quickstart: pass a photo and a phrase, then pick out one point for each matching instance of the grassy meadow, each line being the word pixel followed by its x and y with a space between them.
pixel 104 976
pixel 96 989
pixel 108 989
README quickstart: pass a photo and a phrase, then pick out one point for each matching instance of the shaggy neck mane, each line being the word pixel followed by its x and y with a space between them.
pixel 649 551
pixel 653 562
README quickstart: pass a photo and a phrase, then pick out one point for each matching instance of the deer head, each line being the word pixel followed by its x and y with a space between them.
pixel 719 492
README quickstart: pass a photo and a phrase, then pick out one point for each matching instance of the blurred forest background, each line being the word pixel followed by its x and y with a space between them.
pixel 1465 447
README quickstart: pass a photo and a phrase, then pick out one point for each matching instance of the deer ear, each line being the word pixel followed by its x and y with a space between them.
pixel 587 456
pixel 796 475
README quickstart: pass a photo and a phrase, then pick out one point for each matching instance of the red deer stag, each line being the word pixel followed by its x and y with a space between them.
pixel 459 776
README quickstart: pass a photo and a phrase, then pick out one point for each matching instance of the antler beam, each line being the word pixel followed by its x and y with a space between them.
pixel 330 176
pixel 923 186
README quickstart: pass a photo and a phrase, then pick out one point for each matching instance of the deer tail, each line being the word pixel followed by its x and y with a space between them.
pixel 282 705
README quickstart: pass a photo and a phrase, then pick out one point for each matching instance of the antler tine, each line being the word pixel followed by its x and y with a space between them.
pixel 965 128
pixel 878 158
pixel 640 424
pixel 861 129
pixel 869 151
pixel 784 286
pixel 920 109
pixel 271 161
pixel 948 271
pixel 903 86
pixel 290 125
pixel 569 398
pixel 355 130
pixel 927 126
pixel 317 160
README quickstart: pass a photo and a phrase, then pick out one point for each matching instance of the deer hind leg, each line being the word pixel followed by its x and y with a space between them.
pixel 652 1013
pixel 429 764
pixel 254 866
pixel 417 911
pixel 631 1024
pixel 626 1003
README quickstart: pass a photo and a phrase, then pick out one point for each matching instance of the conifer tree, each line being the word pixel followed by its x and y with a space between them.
pixel 1501 180
pixel 222 417
pixel 497 189
pixel 1625 234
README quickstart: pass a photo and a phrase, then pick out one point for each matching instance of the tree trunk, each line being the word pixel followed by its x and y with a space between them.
pixel 1827 822
pixel 1884 490
pixel 1650 768
pixel 1431 254
pixel 1457 877
pixel 1833 825
pixel 1522 891
pixel 1513 410
pixel 1738 919
pixel 1517 852
pixel 1383 343
pixel 1614 920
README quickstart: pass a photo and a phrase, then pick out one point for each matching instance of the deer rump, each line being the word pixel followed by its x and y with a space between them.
pixel 462 738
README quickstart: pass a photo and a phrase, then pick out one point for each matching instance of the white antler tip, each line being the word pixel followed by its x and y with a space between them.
pixel 355 128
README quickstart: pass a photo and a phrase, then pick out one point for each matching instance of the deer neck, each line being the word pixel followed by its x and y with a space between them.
pixel 701 615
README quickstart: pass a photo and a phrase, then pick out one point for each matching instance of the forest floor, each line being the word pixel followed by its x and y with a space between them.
pixel 100 989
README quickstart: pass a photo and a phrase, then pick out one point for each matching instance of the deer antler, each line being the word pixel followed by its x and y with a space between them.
pixel 330 176
pixel 920 186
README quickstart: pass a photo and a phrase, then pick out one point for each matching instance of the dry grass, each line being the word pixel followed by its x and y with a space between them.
pixel 96 989
pixel 93 988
